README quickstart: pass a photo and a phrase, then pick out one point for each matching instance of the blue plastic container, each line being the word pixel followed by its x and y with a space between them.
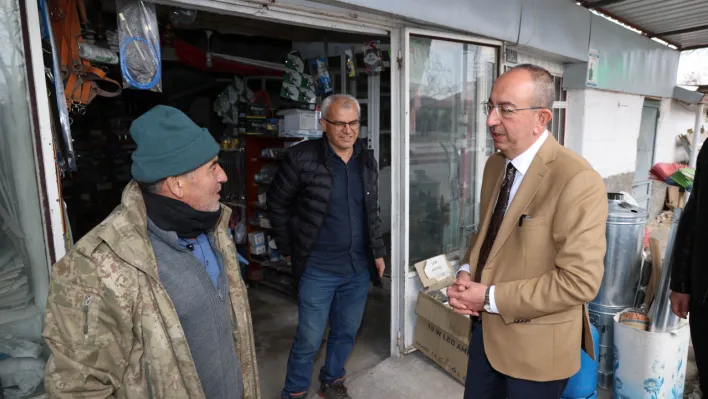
pixel 584 383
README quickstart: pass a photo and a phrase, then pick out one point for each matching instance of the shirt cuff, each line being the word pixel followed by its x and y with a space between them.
pixel 492 302
pixel 463 268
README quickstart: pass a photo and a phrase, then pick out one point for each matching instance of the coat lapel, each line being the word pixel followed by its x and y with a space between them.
pixel 527 191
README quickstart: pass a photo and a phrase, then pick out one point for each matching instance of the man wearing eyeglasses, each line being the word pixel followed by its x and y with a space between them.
pixel 323 207
pixel 538 255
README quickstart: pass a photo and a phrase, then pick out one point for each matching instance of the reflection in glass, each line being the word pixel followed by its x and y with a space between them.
pixel 448 142
pixel 23 262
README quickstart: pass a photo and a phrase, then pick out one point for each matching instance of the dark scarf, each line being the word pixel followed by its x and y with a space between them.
pixel 172 215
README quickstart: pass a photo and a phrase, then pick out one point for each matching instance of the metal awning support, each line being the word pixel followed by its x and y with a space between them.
pixel 696 135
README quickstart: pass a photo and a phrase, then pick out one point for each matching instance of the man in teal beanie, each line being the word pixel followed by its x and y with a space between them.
pixel 151 303
pixel 169 144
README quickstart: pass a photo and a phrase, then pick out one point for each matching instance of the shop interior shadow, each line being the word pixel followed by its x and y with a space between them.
pixel 275 322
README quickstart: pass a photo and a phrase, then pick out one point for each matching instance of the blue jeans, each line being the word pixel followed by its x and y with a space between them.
pixel 323 295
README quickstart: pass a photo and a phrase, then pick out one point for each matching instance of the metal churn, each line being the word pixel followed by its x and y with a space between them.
pixel 623 265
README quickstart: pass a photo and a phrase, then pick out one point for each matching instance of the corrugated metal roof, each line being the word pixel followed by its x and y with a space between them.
pixel 683 23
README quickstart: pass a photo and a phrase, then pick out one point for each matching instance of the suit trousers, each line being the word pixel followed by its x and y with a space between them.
pixel 483 382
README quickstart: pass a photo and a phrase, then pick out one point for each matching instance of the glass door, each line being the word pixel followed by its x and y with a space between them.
pixel 448 81
pixel 447 77
pixel 642 185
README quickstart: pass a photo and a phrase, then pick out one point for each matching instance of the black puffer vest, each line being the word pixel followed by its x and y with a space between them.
pixel 298 201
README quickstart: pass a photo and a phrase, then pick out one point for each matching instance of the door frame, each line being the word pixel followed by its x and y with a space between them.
pixel 45 160
pixel 333 18
pixel 655 104
pixel 406 284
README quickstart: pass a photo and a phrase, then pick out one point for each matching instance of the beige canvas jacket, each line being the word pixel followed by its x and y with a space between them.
pixel 113 330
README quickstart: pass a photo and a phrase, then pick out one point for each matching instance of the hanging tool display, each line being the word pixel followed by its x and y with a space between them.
pixel 208 43
pixel 62 109
pixel 140 59
pixel 79 76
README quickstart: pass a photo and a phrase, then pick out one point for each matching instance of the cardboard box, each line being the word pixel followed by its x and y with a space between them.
pixel 256 238
pixel 256 243
pixel 675 197
pixel 441 334
pixel 258 250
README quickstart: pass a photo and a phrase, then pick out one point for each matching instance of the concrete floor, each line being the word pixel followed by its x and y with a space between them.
pixel 370 371
pixel 411 376
pixel 414 376
pixel 275 322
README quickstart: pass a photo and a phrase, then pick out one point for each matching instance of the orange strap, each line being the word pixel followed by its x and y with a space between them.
pixel 79 76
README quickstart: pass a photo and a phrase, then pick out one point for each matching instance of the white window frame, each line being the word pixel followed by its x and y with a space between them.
pixel 410 284
pixel 560 105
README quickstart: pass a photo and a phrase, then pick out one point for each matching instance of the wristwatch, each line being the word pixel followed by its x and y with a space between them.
pixel 487 306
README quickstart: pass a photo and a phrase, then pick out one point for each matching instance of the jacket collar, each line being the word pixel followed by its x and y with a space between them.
pixel 522 163
pixel 126 231
pixel 168 237
pixel 360 150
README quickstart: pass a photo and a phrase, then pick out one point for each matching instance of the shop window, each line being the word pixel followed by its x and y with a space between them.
pixel 23 260
pixel 448 142
pixel 560 104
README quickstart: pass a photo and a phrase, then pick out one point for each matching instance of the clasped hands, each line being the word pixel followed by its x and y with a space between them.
pixel 466 296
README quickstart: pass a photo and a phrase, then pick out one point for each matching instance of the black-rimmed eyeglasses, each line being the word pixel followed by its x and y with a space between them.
pixel 354 125
pixel 504 111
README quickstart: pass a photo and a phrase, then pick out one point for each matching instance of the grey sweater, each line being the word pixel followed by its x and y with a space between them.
pixel 203 311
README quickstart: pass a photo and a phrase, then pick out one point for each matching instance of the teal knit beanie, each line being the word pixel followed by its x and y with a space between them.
pixel 169 144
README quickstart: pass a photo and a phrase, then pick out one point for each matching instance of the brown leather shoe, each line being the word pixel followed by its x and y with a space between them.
pixel 335 390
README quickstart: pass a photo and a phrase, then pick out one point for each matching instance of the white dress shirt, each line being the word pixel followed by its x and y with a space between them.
pixel 521 163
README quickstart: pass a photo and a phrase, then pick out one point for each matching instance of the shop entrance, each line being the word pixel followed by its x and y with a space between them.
pixel 228 73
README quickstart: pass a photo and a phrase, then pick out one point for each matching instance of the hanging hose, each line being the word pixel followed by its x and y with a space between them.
pixel 124 64
pixel 140 58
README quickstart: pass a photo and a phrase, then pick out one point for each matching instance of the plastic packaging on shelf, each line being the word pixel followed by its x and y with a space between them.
pixel 140 58
pixel 373 59
pixel 323 83
pixel 240 233
pixel 299 80
pixel 297 86
pixel 234 103
pixel 294 62
pixel 98 54
pixel 261 220
pixel 351 65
